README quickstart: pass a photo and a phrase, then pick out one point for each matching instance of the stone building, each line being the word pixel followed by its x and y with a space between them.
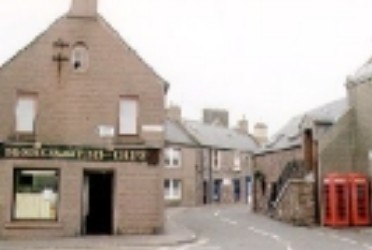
pixel 348 146
pixel 182 167
pixel 82 131
pixel 206 163
pixel 288 164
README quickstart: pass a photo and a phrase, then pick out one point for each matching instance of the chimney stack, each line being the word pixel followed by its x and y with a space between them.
pixel 216 117
pixel 83 8
pixel 242 126
pixel 174 113
pixel 261 133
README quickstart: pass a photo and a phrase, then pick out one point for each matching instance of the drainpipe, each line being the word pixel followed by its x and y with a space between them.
pixel 320 206
pixel 210 178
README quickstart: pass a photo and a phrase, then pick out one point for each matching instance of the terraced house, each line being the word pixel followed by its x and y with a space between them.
pixel 81 133
pixel 206 163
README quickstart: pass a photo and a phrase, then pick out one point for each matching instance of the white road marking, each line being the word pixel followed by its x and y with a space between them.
pixel 343 239
pixel 199 243
pixel 227 220
pixel 367 246
pixel 346 240
pixel 272 236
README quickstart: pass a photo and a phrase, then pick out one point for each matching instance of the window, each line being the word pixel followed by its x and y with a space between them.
pixel 172 189
pixel 25 112
pixel 128 116
pixel 172 157
pixel 36 194
pixel 80 57
pixel 237 161
pixel 216 159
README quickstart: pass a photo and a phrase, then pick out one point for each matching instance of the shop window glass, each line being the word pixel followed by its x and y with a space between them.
pixel 36 194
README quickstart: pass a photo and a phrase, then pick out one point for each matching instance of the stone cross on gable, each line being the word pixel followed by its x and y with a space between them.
pixel 59 57
pixel 83 8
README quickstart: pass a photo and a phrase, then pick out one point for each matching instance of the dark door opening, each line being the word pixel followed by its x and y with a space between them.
pixel 98 202
pixel 236 190
pixel 217 190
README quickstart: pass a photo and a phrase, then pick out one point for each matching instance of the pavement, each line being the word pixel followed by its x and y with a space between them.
pixel 175 234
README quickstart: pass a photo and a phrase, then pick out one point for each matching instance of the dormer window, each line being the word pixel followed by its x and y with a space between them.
pixel 80 58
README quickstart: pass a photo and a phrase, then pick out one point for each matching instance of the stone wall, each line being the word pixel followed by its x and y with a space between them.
pixel 296 204
pixel 271 165
pixel 137 206
pixel 336 147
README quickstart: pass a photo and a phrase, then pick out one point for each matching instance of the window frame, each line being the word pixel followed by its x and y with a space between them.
pixel 14 192
pixel 34 97
pixel 216 158
pixel 86 57
pixel 171 192
pixel 133 98
pixel 237 166
pixel 173 152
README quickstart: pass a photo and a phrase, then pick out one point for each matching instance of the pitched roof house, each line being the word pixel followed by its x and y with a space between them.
pixel 205 163
pixel 82 128
pixel 292 153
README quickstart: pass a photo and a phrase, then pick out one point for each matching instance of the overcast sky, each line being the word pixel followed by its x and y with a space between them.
pixel 266 59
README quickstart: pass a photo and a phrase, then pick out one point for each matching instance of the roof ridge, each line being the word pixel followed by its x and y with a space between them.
pixel 136 54
pixel 30 44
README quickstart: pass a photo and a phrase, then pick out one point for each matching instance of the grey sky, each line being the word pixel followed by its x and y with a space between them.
pixel 267 59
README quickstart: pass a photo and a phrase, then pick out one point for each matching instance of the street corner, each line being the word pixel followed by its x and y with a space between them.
pixel 176 233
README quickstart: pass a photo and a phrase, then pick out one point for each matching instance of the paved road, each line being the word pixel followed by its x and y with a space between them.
pixel 235 228
pixel 221 228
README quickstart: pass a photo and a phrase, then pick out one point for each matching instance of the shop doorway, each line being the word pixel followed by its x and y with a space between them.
pixel 98 203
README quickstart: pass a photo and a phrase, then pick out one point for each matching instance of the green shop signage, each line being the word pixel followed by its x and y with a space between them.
pixel 151 156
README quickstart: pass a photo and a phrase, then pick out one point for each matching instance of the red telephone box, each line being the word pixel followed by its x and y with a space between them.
pixel 359 199
pixel 336 200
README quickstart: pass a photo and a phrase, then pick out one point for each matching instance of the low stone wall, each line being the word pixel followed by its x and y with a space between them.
pixel 296 205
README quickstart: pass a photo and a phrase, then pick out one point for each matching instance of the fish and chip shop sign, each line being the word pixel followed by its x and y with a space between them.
pixel 151 156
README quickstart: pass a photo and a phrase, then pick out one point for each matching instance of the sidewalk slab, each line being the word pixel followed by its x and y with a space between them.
pixel 175 234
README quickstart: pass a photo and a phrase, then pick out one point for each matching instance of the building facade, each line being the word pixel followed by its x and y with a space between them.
pixel 182 167
pixel 206 163
pixel 81 134
pixel 348 146
pixel 290 161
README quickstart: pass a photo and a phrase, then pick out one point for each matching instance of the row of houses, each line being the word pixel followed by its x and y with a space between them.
pixel 208 163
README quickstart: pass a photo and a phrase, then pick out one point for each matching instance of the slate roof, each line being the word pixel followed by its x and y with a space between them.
pixel 176 133
pixel 220 137
pixel 363 74
pixel 289 135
